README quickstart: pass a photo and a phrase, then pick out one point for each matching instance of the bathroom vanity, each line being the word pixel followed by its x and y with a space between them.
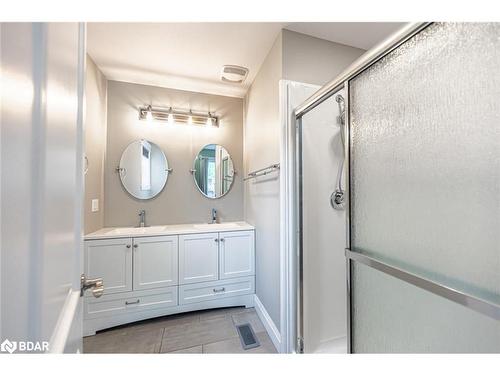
pixel 161 270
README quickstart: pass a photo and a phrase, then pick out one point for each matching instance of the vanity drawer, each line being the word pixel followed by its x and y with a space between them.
pixel 216 289
pixel 123 303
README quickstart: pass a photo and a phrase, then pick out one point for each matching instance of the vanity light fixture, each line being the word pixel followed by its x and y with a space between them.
pixel 178 116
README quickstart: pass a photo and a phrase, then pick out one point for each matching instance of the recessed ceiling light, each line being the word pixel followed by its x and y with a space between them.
pixel 234 73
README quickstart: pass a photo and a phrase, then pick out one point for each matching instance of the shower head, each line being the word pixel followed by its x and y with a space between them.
pixel 340 101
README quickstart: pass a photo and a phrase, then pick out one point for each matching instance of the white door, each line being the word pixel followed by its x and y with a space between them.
pixel 155 262
pixel 198 258
pixel 42 80
pixel 110 260
pixel 236 254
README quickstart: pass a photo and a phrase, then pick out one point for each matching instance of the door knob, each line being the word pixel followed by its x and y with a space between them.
pixel 96 285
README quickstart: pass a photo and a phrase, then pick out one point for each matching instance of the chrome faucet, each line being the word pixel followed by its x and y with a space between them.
pixel 214 216
pixel 142 215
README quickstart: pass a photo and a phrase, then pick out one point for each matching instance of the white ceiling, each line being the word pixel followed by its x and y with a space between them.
pixel 190 56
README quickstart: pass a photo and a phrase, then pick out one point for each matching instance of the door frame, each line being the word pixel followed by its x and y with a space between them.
pixel 288 234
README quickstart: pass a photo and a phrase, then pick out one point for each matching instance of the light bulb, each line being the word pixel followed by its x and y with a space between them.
pixel 149 114
pixel 209 119
pixel 170 117
pixel 190 118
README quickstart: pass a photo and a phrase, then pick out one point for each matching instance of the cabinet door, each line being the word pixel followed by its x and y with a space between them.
pixel 111 260
pixel 155 262
pixel 236 254
pixel 198 258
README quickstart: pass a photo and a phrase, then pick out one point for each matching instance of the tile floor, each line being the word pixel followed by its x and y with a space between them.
pixel 208 331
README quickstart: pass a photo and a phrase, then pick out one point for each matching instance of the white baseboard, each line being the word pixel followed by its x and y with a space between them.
pixel 269 325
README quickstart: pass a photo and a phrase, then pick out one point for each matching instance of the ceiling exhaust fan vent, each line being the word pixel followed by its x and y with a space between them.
pixel 234 73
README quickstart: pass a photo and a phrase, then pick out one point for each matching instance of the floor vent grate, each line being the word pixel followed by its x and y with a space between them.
pixel 247 336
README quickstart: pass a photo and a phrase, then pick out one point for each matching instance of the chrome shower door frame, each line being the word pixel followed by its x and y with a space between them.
pixel 337 84
pixel 472 302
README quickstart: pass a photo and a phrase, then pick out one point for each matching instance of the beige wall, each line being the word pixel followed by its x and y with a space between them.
pixel 312 60
pixel 262 199
pixel 180 201
pixel 295 57
pixel 95 144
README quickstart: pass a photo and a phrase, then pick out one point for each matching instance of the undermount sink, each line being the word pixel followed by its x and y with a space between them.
pixel 216 226
pixel 133 230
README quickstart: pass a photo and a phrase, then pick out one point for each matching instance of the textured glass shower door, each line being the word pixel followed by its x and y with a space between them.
pixel 425 191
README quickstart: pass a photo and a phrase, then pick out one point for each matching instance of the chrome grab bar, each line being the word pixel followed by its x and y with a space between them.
pixel 479 305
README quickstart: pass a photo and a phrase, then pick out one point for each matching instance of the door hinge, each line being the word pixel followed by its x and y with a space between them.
pixel 300 345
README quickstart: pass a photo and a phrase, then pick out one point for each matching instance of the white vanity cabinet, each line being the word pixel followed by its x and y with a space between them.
pixel 198 258
pixel 236 254
pixel 110 259
pixel 155 262
pixel 168 272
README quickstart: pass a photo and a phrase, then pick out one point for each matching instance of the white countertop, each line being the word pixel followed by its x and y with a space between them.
pixel 166 230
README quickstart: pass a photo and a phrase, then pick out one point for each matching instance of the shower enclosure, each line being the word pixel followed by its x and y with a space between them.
pixel 422 155
pixel 322 292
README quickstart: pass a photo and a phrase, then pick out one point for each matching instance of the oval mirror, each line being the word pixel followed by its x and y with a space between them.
pixel 213 171
pixel 143 169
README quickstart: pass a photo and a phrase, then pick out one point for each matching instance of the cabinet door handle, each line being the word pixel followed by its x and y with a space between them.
pixel 216 240
pixel 132 303
pixel 222 239
pixel 136 246
pixel 219 290
pixel 128 246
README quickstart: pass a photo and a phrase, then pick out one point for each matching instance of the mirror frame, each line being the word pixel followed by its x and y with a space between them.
pixel 193 172
pixel 167 169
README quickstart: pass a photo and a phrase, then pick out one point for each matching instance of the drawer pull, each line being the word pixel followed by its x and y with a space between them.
pixel 219 290
pixel 132 303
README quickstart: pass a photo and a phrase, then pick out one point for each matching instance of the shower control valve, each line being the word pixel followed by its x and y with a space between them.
pixel 337 200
